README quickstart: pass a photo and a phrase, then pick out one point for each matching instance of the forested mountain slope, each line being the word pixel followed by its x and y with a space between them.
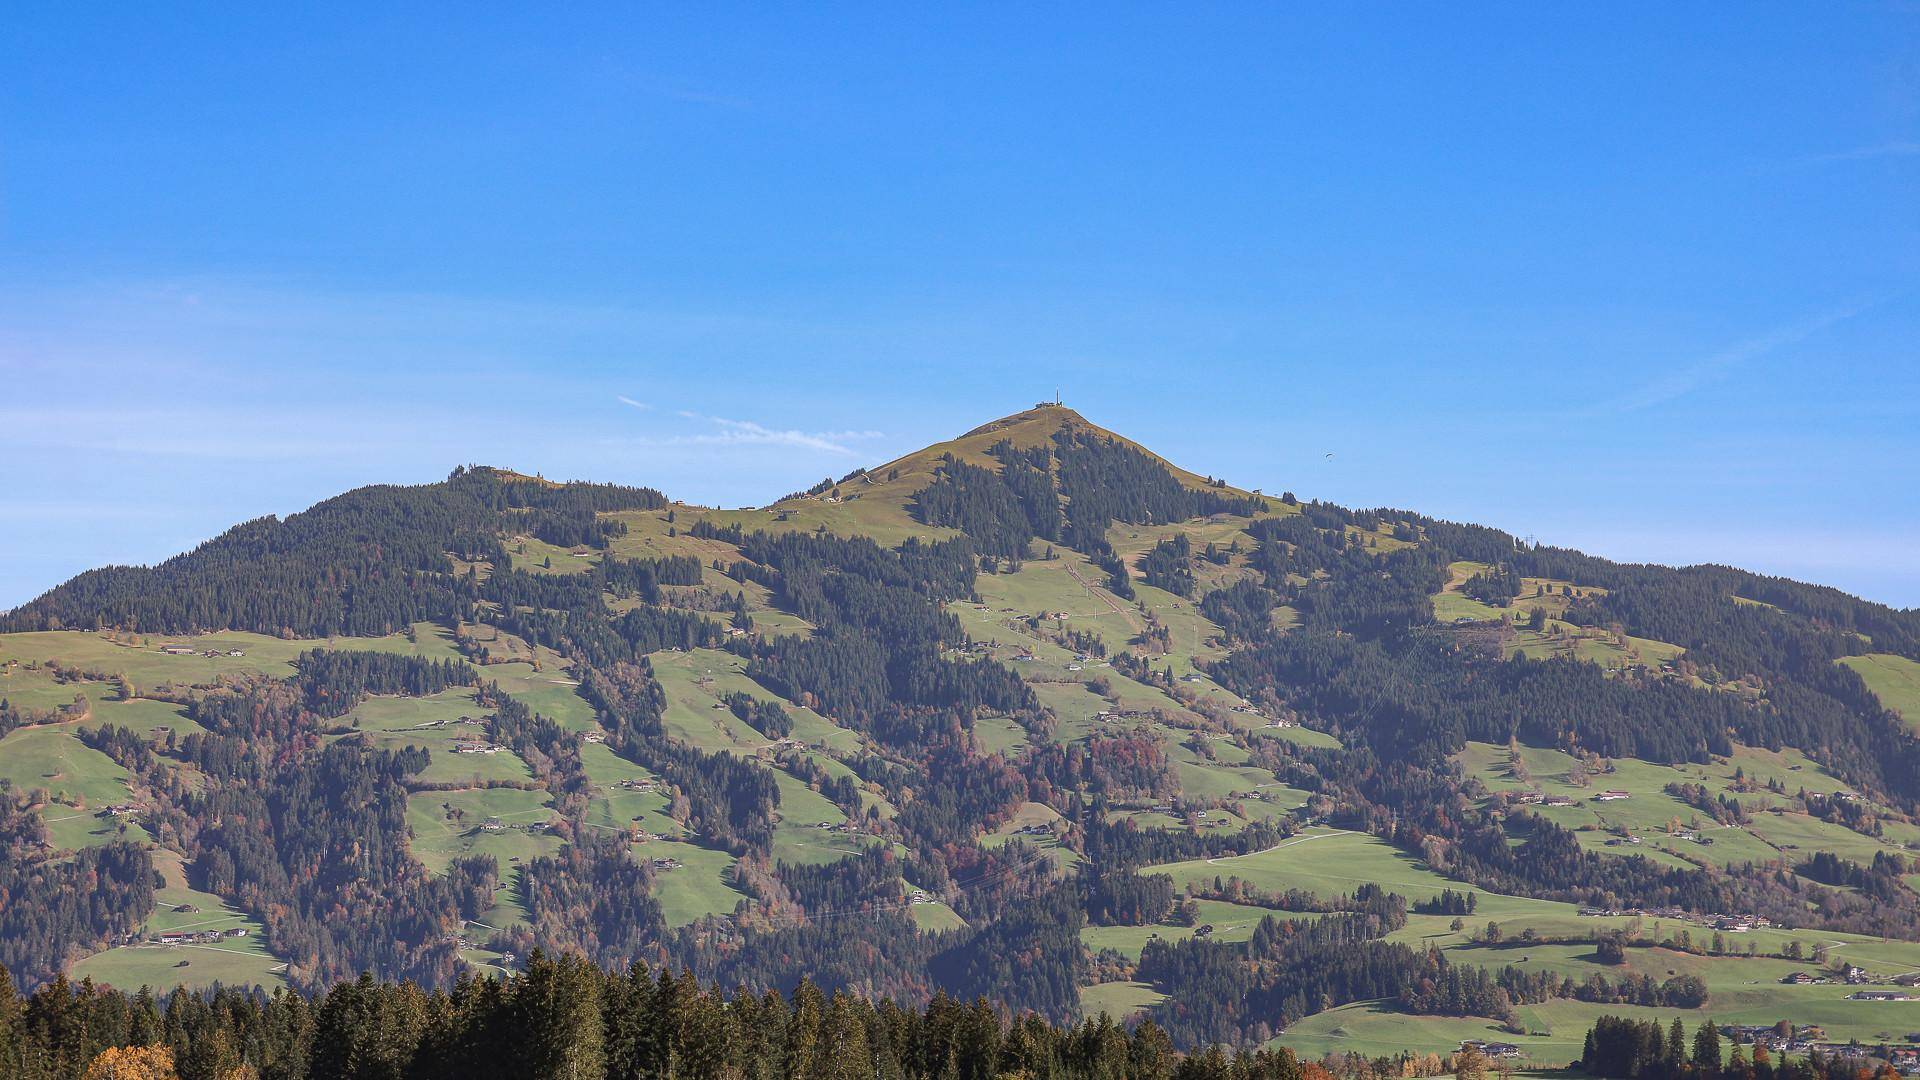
pixel 1032 715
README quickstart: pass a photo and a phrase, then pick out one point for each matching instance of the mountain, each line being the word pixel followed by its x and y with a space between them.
pixel 1032 715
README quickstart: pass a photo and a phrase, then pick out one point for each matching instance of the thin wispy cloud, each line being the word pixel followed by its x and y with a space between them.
pixel 1700 373
pixel 625 400
pixel 726 431
pixel 1896 148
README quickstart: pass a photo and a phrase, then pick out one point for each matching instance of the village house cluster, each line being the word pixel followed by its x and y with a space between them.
pixel 1788 1038
pixel 1541 798
pixel 477 748
pixel 189 650
pixel 1732 924
pixel 193 937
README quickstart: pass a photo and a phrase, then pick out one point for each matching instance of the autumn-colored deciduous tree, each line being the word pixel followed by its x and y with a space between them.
pixel 133 1063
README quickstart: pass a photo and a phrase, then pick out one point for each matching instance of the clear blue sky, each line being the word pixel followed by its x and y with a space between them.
pixel 1638 278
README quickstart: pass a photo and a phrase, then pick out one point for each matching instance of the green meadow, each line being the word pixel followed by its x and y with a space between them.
pixel 1777 831
pixel 1118 1000
pixel 139 658
pixel 396 722
pixel 1895 680
pixel 1230 922
pixel 699 887
pixel 448 825
pixel 178 907
pixel 79 781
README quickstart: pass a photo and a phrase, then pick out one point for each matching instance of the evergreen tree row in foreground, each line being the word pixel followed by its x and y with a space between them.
pixel 565 1017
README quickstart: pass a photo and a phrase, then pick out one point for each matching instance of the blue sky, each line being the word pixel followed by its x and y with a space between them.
pixel 1638 279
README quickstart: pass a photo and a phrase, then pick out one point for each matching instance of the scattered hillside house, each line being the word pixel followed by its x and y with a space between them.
pixel 177 650
pixel 1855 974
pixel 119 810
pixel 1611 795
pixel 595 737
pixel 236 652
pixel 237 931
pixel 172 938
pixel 1802 978
pixel 476 748
pixel 1193 678
pixel 1491 1049
pixel 1733 924
pixel 1558 800
pixel 1529 797
pixel 1879 995
pixel 666 864
pixel 919 897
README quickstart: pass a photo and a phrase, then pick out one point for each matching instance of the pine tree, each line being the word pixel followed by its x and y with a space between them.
pixel 1706 1048
pixel 803 1032
pixel 11 1049
pixel 557 1004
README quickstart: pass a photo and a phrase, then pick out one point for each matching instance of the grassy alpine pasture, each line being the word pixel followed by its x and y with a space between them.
pixel 1660 823
pixel 1230 922
pixel 1000 735
pixel 139 658
pixel 547 690
pixel 79 782
pixel 1559 638
pixel 535 555
pixel 1076 689
pixel 696 680
pixel 178 907
pixel 877 504
pixel 868 514
pixel 1118 1000
pixel 1334 862
pixel 1595 646
pixel 1895 680
pixel 144 715
pixel 1743 989
pixel 697 888
pixel 616 807
pixel 38 688
pixel 448 825
pixel 935 917
pixel 229 962
pixel 1556 1030
pixel 396 722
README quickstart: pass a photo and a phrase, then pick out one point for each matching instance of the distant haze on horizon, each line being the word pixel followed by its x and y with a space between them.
pixel 1638 281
